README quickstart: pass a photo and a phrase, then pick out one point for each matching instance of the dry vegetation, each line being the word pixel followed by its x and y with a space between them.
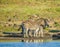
pixel 12 12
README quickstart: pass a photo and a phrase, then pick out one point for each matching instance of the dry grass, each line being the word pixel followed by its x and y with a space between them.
pixel 17 10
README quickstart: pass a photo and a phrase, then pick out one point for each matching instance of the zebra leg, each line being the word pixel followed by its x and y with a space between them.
pixel 39 33
pixel 41 30
pixel 24 33
pixel 42 34
pixel 27 32
pixel 36 32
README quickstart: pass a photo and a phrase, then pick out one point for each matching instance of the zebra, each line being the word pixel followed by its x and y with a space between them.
pixel 31 27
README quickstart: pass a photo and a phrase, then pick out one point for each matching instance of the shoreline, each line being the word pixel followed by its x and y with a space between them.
pixel 17 38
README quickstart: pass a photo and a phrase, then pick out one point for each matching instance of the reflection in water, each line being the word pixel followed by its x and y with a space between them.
pixel 7 39
pixel 23 44
pixel 35 40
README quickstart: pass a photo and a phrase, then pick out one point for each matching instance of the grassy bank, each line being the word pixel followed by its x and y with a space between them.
pixel 17 10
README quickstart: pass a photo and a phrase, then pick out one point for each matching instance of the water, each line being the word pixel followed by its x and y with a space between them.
pixel 30 44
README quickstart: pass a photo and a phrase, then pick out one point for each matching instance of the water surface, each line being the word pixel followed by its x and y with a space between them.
pixel 30 44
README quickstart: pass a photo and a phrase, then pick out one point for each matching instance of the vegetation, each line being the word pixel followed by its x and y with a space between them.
pixel 18 10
